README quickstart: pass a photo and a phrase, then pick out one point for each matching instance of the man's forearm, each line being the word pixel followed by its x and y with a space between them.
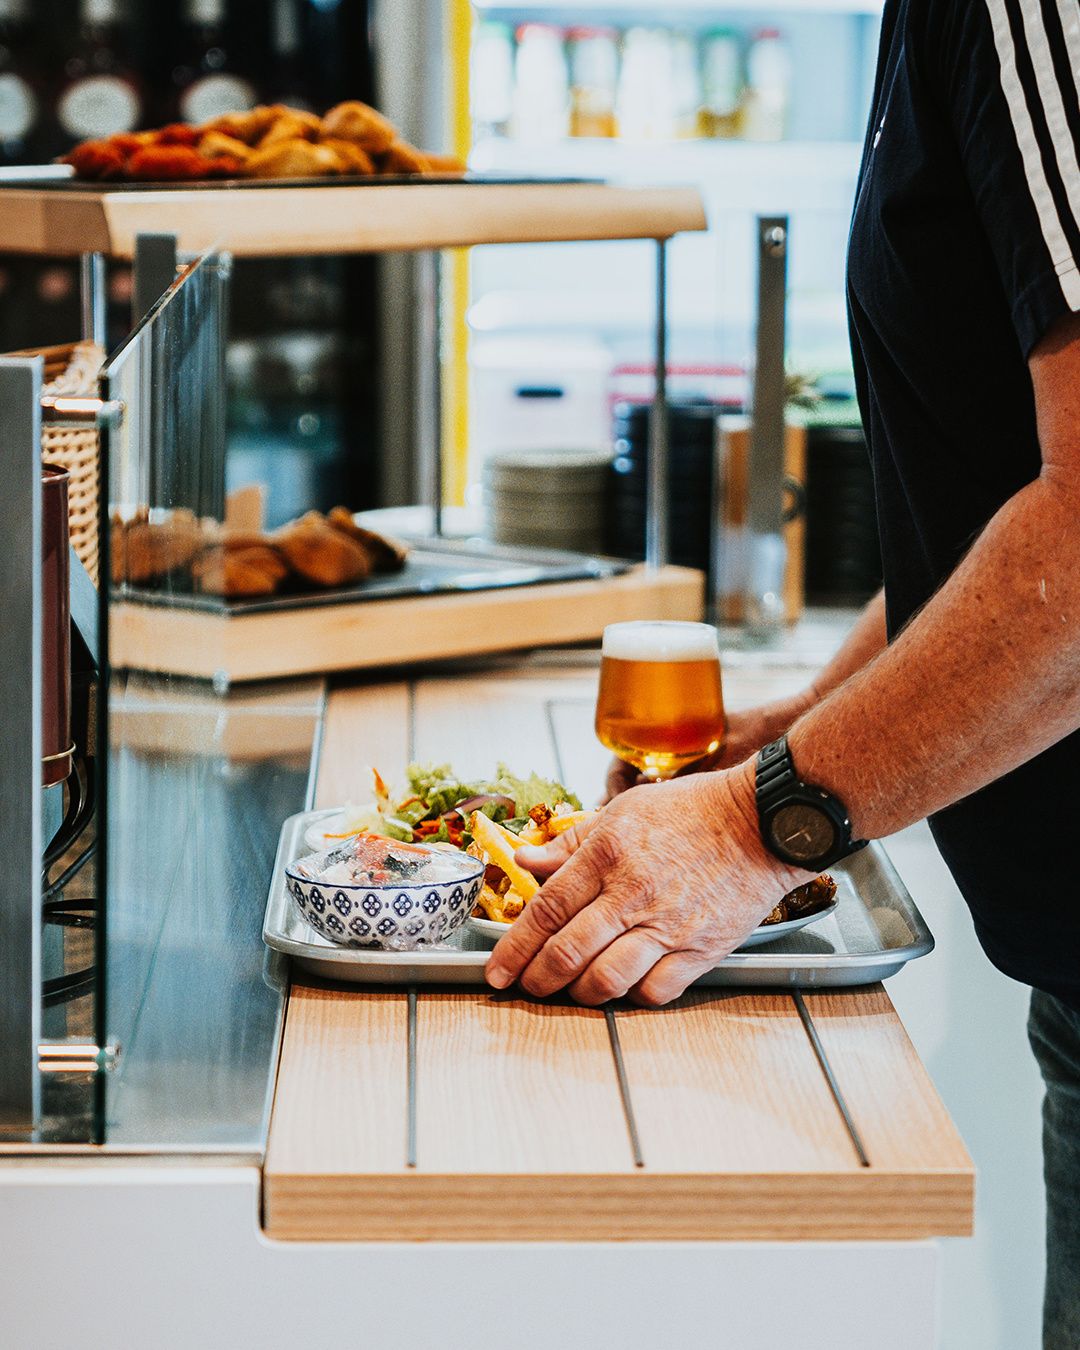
pixel 861 645
pixel 985 677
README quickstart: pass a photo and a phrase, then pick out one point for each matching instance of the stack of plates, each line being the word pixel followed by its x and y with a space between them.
pixel 547 498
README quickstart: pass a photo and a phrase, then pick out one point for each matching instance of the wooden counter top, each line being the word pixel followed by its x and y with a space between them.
pixel 723 1126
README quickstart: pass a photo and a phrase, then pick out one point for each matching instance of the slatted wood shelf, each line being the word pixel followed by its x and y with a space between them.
pixel 521 1131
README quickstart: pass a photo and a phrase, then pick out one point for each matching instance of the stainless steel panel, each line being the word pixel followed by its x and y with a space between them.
pixel 20 744
pixel 874 931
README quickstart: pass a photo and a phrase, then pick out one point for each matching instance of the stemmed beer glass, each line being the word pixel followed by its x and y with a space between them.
pixel 661 704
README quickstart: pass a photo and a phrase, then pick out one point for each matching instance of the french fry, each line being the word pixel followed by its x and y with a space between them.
pixel 496 843
pixel 560 824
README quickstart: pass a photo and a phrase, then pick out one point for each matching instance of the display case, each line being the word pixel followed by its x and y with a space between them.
pixel 145 1016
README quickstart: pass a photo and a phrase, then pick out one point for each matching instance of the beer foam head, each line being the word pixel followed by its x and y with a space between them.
pixel 660 641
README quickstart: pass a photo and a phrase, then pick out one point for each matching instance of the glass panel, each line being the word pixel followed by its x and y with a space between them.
pixel 199 779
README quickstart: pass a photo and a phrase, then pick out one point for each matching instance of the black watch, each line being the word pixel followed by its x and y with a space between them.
pixel 800 824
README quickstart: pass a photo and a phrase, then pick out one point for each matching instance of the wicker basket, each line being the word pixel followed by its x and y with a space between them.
pixel 72 370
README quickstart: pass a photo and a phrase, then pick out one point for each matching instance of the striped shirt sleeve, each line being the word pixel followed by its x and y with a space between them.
pixel 1013 84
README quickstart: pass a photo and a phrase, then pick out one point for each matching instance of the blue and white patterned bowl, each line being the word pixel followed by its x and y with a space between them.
pixel 398 917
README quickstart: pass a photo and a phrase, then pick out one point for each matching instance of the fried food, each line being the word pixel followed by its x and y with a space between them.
pixel 321 554
pixel 500 846
pixel 240 572
pixel 444 165
pixel 386 553
pixel 356 122
pixel 803 900
pixel 97 160
pixel 268 142
pixel 216 145
pixel 177 164
pixel 145 550
pixel 354 160
pixel 249 127
pixel 293 159
pixel 291 125
pixel 402 158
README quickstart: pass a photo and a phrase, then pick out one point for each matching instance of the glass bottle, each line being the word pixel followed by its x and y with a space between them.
pixel 722 84
pixel 101 94
pixel 594 74
pixel 768 92
pixel 20 103
pixel 208 80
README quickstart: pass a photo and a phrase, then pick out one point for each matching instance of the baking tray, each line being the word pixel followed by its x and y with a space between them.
pixel 433 567
pixel 874 931
pixel 51 178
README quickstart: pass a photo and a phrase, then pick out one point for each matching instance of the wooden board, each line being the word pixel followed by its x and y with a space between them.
pixel 522 1132
pixel 267 222
pixel 323 638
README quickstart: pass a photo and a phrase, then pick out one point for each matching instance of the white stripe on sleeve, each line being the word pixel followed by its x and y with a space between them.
pixel 1061 255
pixel 1057 120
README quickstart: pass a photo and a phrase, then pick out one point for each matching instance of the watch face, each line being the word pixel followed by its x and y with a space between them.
pixel 803 832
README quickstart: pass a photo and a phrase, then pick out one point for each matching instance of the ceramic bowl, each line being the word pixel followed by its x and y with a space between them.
pixel 398 917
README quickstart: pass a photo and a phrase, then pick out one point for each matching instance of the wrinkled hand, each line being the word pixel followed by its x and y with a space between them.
pixel 648 895
pixel 745 733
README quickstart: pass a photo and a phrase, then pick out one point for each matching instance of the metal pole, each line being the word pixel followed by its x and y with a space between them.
pixel 92 288
pixel 656 492
pixel 765 583
pixel 437 397
pixel 20 746
pixel 155 272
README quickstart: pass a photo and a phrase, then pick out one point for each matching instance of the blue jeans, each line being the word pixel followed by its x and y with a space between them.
pixel 1054 1031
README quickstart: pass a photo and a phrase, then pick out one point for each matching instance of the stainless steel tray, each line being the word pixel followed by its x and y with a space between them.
pixel 873 932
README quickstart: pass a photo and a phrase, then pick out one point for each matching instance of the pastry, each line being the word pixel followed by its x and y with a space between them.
pixel 387 554
pixel 321 554
pixel 402 158
pixel 240 572
pixel 216 145
pixel 293 159
pixel 249 127
pixel 356 122
pixel 291 125
pixel 353 159
pixel 145 550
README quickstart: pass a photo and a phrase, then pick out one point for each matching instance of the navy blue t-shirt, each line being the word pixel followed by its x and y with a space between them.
pixel 964 250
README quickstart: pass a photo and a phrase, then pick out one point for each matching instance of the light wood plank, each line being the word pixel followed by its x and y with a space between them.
pixel 365 219
pixel 365 727
pixel 340 1102
pixel 773 1207
pixel 516 1086
pixel 727 1081
pixel 473 734
pixel 887 1088
pixel 328 638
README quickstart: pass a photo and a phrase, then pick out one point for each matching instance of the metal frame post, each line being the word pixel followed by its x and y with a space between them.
pixel 656 491
pixel 20 745
pixel 765 513
pixel 154 272
pixel 92 294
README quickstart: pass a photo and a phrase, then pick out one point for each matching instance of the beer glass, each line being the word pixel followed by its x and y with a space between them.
pixel 660 705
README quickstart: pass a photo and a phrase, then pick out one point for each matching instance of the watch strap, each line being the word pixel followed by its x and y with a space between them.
pixel 777 781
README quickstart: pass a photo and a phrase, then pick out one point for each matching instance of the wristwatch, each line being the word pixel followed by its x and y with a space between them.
pixel 801 824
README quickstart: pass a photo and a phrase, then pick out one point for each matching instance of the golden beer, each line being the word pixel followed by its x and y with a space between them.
pixel 661 704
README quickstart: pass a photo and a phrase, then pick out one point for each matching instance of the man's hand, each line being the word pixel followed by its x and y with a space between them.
pixel 745 733
pixel 656 890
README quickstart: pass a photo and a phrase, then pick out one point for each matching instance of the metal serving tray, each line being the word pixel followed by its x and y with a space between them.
pixel 873 932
